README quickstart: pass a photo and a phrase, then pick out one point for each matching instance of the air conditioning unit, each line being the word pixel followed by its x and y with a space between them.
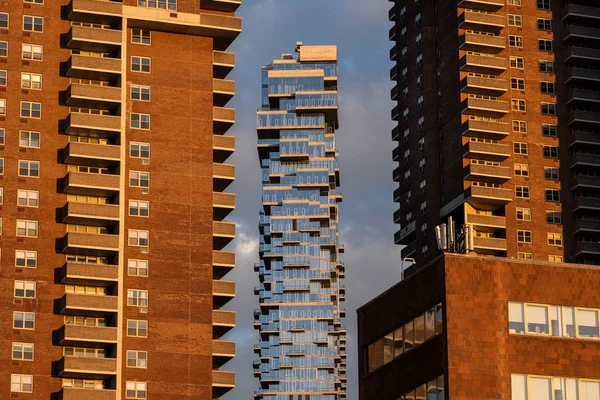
pixel 143 310
pixel 145 162
pixel 144 250
pixel 145 191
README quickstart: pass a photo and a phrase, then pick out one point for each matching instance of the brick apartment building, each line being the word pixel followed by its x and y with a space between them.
pixel 112 179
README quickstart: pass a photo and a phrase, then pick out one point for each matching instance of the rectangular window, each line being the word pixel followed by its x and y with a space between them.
pixel 521 170
pixel 25 289
pixel 516 318
pixel 141 93
pixel 549 130
pixel 545 45
pixel 32 52
pixel 3 20
pixel 139 238
pixel 554 239
pixel 29 168
pixel 515 41
pixel 136 390
pixel 27 228
pixel 140 64
pixel 2 137
pixel 515 20
pixel 523 214
pixel 537 319
pixel 137 267
pixel 29 139
pixel 28 198
pixel 140 36
pixel 3 49
pixel 552 195
pixel 23 320
pixel 520 147
pixel 139 208
pixel 519 126
pixel 33 24
pixel 2 107
pixel 547 66
pixel 548 109
pixel 139 150
pixel 1 195
pixel 517 83
pixel 547 87
pixel 587 325
pixel 513 2
pixel 544 24
pixel 139 179
pixel 22 351
pixel 21 383
pixel 551 173
pixel 517 62
pixel 3 77
pixel 524 256
pixel 543 4
pixel 137 328
pixel 137 298
pixel 551 151
pixel 1 166
pixel 140 121
pixel 34 1
pixel 162 4
pixel 31 110
pixel 518 105
pixel 524 236
pixel 137 359
pixel 31 81
pixel 25 258
pixel 553 217
pixel 522 192
pixel 556 259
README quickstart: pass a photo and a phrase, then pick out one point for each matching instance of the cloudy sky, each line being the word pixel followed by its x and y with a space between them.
pixel 360 30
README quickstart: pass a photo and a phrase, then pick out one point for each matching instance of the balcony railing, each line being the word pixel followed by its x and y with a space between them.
pixel 93 39
pixel 95 68
pixel 90 184
pixel 586 225
pixel 483 64
pixel 69 393
pixel 489 244
pixel 84 336
pixel 223 233
pixel 94 155
pixel 587 203
pixel 82 124
pixel 587 248
pixel 90 243
pixel 92 96
pixel 575 11
pixel 583 54
pixel 587 182
pixel 489 5
pixel 583 74
pixel 486 151
pixel 486 223
pixel 481 43
pixel 98 11
pixel 223 204
pixel 222 382
pixel 86 367
pixel 483 86
pixel 223 91
pixel 487 173
pixel 488 198
pixel 223 322
pixel 481 21
pixel 223 63
pixel 485 129
pixel 581 95
pixel 485 107
pixel 95 274
pixel 90 214
pixel 584 117
pixel 221 5
pixel 77 304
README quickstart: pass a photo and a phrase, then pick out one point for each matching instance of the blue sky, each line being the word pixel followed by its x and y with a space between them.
pixel 360 30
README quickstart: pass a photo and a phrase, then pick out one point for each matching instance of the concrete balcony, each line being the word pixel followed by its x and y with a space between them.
pixel 583 138
pixel 583 96
pixel 88 305
pixel 93 244
pixel 407 234
pixel 393 13
pixel 95 68
pixel 397 195
pixel 488 5
pixel 488 198
pixel 581 33
pixel 223 119
pixel 90 154
pixel 223 204
pixel 90 184
pixel 223 233
pixel 223 91
pixel 487 173
pixel 583 226
pixel 223 176
pixel 582 54
pixel 87 336
pixel 486 223
pixel 583 160
pixel 223 147
pixel 584 117
pixel 392 33
pixel 486 151
pixel 587 203
pixel 223 293
pixel 93 39
pixel 222 382
pixel 585 182
pixel 583 75
pixel 68 393
pixel 477 21
pixel 86 367
pixel 398 215
pixel 96 11
pixel 576 12
pixel 89 214
pixel 92 96
pixel 484 107
pixel 394 53
pixel 83 124
pixel 223 262
pixel 223 63
pixel 587 248
pixel 222 5
pixel 89 274
pixel 223 322
pixel 222 351
pixel 486 245
pixel 483 86
pixel 481 43
pixel 483 64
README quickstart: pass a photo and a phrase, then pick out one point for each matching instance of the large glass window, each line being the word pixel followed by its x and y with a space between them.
pixel 516 318
pixel 537 319
pixel 587 323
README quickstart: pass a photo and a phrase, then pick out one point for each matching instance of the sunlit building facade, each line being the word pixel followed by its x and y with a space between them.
pixel 302 343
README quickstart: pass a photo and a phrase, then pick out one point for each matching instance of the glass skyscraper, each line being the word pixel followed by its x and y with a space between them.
pixel 302 343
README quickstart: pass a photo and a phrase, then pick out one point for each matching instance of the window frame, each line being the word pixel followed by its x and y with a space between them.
pixel 34 21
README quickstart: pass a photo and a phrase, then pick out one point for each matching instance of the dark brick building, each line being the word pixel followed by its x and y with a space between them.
pixel 112 123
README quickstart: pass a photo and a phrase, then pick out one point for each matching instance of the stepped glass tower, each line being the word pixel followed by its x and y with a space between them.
pixel 302 344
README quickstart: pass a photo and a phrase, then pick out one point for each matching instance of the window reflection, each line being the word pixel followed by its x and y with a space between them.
pixel 432 390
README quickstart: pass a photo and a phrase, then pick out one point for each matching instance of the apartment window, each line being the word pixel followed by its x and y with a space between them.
pixel 2 107
pixel 518 105
pixel 139 238
pixel 3 20
pixel 26 228
pixel 29 168
pixel 548 109
pixel 137 359
pixel 28 198
pixel 420 100
pixel 3 49
pixel 403 53
pixel 422 165
pixel 522 192
pixel 543 4
pixel 31 81
pixel 523 214
pixel 25 289
pixel 139 150
pixel 513 2
pixel 140 92
pixel 25 258
pixel 139 208
pixel 547 87
pixel 551 173
pixel 23 320
pixel 424 251
pixel 136 390
pixel 139 179
pixel 32 52
pixel 21 383
pixel 3 78
pixel 546 66
pixel 544 45
pixel 162 4
pixel 524 236
pixel 520 147
pixel 137 298
pixel 552 195
pixel 140 121
pixel 517 62
pixel 33 24
pixel 2 136
pixel 422 186
pixel 141 36
pixel 544 24
pixel 549 130
pixel 524 255
pixel 553 217
pixel 423 208
pixel 556 259
pixel 515 41
pixel 419 60
pixel 34 1
pixel 421 123
pixel 140 64
pixel 137 267
pixel 554 239
pixel 418 19
pixel 22 351
pixel 551 151
pixel 1 166
pixel 519 126
pixel 409 217
pixel 31 110
pixel 515 20
pixel 517 83
pixel 29 139
pixel 521 170
pixel 137 328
